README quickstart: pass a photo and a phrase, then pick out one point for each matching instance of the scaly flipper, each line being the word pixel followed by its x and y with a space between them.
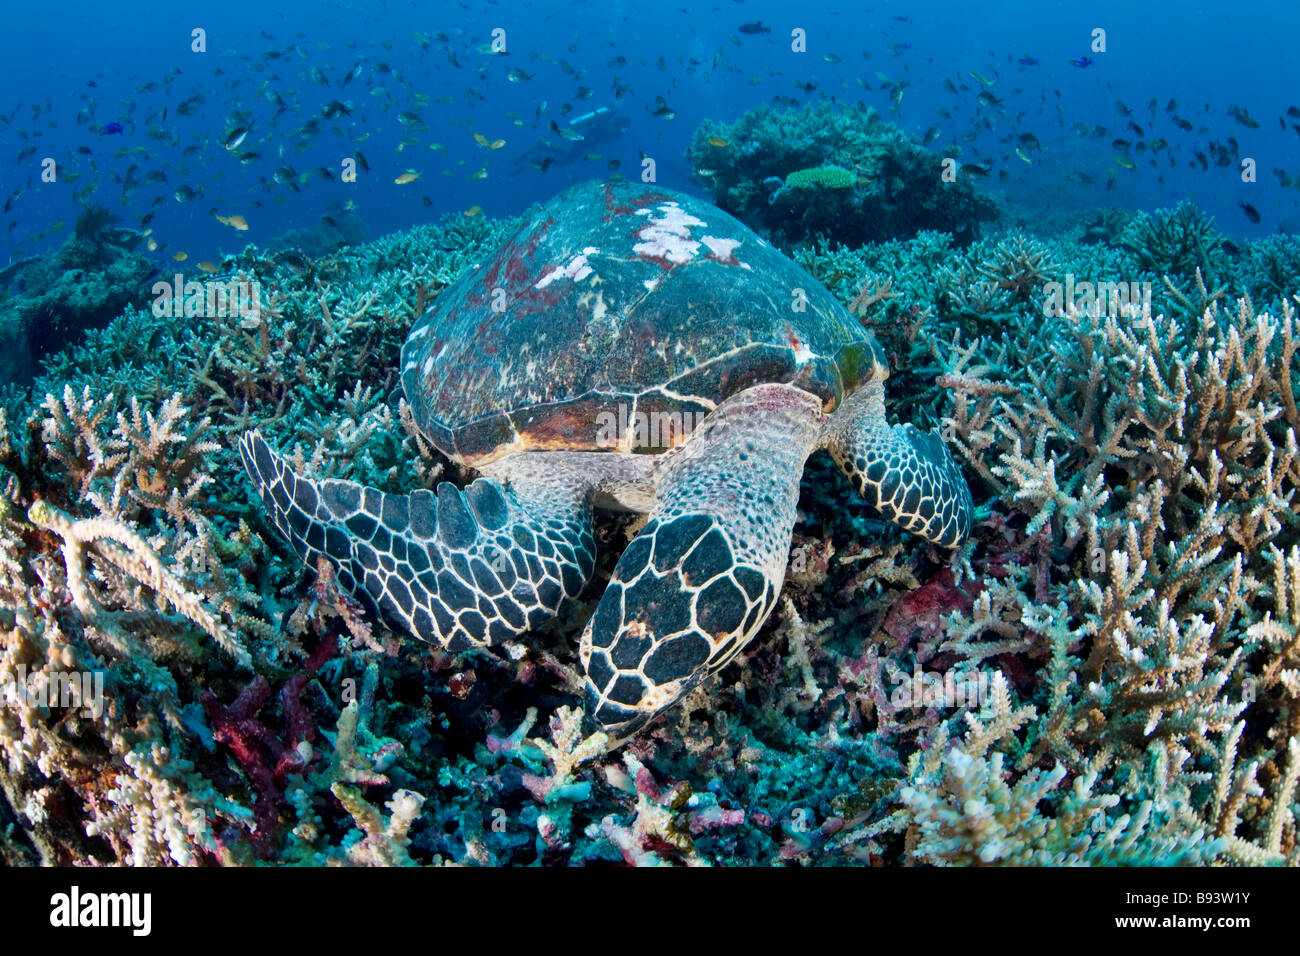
pixel 703 574
pixel 455 568
pixel 905 474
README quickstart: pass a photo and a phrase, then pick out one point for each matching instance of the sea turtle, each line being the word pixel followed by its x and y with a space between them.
pixel 634 348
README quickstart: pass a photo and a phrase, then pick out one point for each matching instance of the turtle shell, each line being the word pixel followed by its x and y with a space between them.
pixel 616 317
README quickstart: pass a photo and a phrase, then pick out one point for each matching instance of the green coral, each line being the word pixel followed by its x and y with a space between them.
pixel 827 177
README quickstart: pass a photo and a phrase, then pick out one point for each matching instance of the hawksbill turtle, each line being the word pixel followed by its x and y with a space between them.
pixel 632 348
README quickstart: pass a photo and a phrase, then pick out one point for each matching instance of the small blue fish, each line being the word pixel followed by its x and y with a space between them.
pixel 1028 60
pixel 1081 61
pixel 112 129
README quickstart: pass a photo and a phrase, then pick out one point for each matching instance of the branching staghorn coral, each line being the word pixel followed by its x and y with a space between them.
pixel 126 551
pixel 962 805
pixel 1022 266
pixel 1177 243
pixel 1153 451
pixel 1170 561
pixel 567 749
pixel 386 841
pixel 1278 635
pixel 71 435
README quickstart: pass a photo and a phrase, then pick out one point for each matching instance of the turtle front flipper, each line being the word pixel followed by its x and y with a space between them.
pixel 905 474
pixel 701 577
pixel 455 568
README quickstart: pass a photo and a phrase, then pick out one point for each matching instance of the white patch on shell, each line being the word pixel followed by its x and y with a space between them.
pixel 428 365
pixel 724 250
pixel 668 237
pixel 576 269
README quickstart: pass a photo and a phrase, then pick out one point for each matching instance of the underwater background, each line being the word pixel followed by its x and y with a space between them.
pixel 1071 227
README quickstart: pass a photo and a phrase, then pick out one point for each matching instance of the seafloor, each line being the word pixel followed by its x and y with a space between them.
pixel 1128 606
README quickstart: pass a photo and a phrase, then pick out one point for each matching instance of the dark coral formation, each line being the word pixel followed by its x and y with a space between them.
pixel 857 177
pixel 85 284
pixel 339 227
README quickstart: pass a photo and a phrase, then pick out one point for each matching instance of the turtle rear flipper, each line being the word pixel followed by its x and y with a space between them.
pixel 702 576
pixel 905 474
pixel 455 568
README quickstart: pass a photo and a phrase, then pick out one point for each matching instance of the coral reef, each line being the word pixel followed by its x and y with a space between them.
pixel 1107 674
pixel 843 173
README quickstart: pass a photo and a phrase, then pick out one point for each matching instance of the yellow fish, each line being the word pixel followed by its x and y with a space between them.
pixel 180 256
pixel 234 222
pixel 479 174
pixel 208 267
pixel 1021 153
pixel 1125 162
pixel 473 210
pixel 152 244
pixel 496 144
pixel 718 141
pixel 480 139
pixel 409 176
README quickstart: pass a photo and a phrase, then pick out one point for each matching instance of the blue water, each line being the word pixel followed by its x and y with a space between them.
pixel 81 58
